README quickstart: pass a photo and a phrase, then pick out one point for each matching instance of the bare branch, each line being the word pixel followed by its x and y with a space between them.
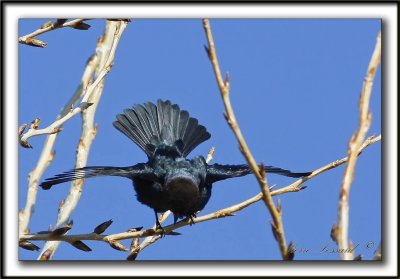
pixel 48 153
pixel 106 51
pixel 30 39
pixel 354 145
pixel 210 155
pixel 151 234
pixel 231 119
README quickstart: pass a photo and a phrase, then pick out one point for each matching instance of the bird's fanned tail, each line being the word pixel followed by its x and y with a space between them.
pixel 150 126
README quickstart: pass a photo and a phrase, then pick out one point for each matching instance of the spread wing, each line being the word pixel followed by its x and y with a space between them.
pixel 140 170
pixel 218 172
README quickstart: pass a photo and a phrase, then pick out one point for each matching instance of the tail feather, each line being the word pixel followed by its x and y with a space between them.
pixel 150 126
pixel 151 112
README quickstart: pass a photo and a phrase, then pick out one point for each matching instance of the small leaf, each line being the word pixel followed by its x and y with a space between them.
pixel 28 245
pixel 81 246
pixel 102 227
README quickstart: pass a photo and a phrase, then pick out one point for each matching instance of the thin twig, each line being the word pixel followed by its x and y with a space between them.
pixel 275 212
pixel 151 235
pixel 48 153
pixel 148 240
pixel 106 52
pixel 54 127
pixel 354 145
pixel 30 39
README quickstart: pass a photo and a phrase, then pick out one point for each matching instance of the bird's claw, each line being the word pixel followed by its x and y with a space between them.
pixel 160 230
pixel 191 218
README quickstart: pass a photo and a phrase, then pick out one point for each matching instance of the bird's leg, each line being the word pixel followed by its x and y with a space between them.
pixel 176 217
pixel 158 225
pixel 191 218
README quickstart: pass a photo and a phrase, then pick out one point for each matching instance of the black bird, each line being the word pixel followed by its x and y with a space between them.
pixel 168 181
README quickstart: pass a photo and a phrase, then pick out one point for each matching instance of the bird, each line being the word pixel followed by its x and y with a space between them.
pixel 168 180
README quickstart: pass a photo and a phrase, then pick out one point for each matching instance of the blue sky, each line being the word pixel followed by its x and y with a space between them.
pixel 295 86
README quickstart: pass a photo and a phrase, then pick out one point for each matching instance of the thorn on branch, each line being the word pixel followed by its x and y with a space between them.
pixel 207 51
pixel 132 256
pixel 81 26
pixel 46 24
pixel 120 19
pixel 85 105
pixel 60 21
pixel 34 42
pixel 227 80
pixel 134 244
pixel 35 123
pixel 117 245
pixel 25 144
pixel 28 245
pixel 228 119
pixel 81 246
pixel 334 233
pixel 135 229
pixel 358 258
pixel 261 170
pixel 56 130
pixel 290 252
pixel 279 207
pixel 102 227
pixel 44 232
pixel 63 230
pixel 274 230
pixel 21 129
pixel 173 233
pixel 46 255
